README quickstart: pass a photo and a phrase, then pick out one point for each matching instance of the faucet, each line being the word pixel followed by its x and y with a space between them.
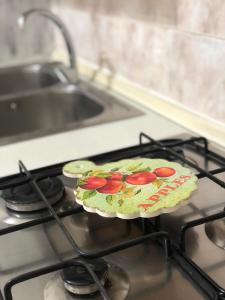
pixel 49 15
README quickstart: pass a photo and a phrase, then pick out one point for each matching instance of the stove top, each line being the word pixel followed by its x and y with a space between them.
pixel 52 249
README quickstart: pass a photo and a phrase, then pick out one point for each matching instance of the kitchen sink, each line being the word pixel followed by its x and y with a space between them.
pixel 41 99
pixel 45 112
pixel 26 78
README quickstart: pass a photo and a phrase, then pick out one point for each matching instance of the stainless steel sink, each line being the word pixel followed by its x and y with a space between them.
pixel 27 78
pixel 45 112
pixel 42 100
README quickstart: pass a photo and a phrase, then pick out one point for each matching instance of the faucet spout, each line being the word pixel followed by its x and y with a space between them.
pixel 56 20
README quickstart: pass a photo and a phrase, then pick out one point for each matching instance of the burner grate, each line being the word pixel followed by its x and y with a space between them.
pixel 150 230
pixel 202 173
pixel 81 254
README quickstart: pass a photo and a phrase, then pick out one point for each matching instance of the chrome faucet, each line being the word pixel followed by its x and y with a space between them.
pixel 49 15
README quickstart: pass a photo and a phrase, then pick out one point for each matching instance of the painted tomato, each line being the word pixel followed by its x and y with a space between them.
pixel 115 176
pixel 111 187
pixel 93 183
pixel 164 172
pixel 140 178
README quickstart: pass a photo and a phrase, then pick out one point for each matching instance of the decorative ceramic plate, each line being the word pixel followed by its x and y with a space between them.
pixel 131 188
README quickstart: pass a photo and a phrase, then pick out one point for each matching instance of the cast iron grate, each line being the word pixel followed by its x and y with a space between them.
pixel 170 149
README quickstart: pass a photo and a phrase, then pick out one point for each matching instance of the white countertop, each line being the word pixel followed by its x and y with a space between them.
pixel 84 142
pixel 161 120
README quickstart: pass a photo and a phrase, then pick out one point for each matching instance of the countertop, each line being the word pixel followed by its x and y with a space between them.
pixel 88 141
pixel 84 142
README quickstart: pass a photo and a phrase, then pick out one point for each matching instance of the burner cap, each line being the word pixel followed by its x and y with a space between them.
pixel 77 280
pixel 216 232
pixel 117 286
pixel 23 198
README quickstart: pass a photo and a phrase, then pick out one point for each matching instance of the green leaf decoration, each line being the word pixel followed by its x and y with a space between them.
pixel 129 190
pixel 158 183
pixel 86 173
pixel 103 175
pixel 143 170
pixel 128 193
pixel 138 192
pixel 110 199
pixel 120 202
pixel 89 194
pixel 100 173
pixel 94 172
pixel 81 182
pixel 114 169
pixel 134 167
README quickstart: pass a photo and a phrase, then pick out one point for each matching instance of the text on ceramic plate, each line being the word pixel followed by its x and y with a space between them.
pixel 176 183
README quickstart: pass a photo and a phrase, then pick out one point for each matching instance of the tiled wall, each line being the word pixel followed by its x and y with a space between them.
pixel 35 41
pixel 176 47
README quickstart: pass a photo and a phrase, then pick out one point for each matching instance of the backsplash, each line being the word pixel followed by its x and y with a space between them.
pixel 176 48
pixel 33 42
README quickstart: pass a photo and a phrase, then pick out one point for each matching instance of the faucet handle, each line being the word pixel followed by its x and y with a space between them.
pixel 104 62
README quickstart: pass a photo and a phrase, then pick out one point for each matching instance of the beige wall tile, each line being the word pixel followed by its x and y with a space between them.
pixel 187 68
pixel 17 45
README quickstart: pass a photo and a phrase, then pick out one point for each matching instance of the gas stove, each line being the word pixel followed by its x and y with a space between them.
pixel 51 249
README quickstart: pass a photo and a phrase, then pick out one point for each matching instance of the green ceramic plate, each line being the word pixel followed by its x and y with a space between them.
pixel 132 188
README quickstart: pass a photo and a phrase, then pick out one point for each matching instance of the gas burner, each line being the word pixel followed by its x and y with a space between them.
pixel 78 281
pixel 116 281
pixel 32 215
pixel 216 232
pixel 13 217
pixel 24 199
